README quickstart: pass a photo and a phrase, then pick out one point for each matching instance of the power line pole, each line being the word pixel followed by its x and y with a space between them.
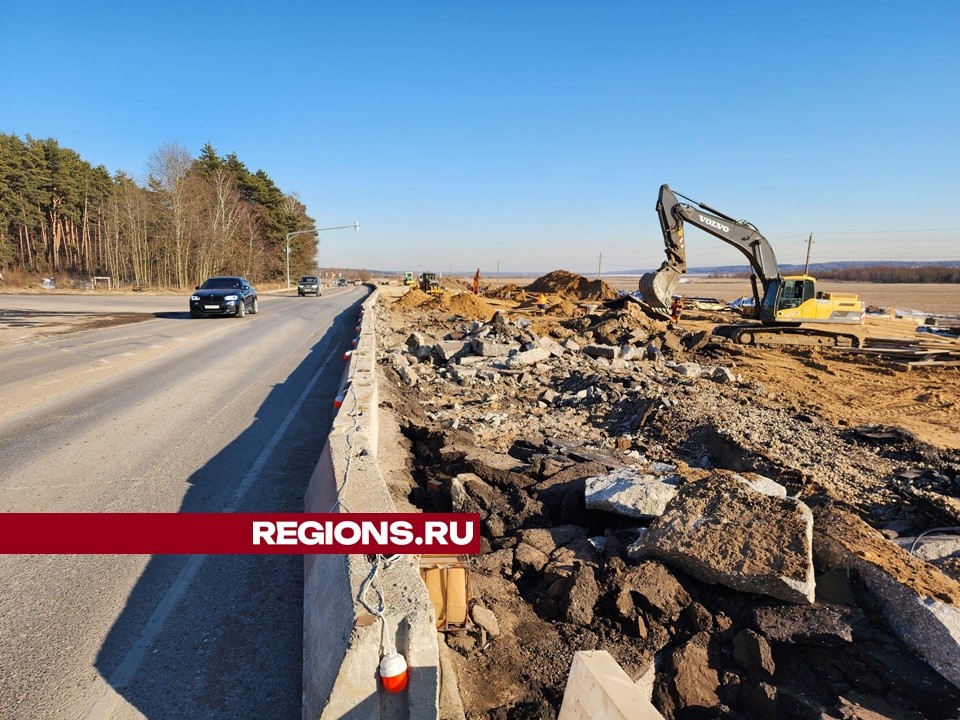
pixel 806 268
pixel 599 263
pixel 498 272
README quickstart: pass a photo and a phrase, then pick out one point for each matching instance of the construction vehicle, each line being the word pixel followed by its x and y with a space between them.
pixel 409 279
pixel 430 283
pixel 783 305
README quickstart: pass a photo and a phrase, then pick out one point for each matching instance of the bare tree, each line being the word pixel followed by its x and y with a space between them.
pixel 168 168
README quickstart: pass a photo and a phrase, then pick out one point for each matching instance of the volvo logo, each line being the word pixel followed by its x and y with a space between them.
pixel 713 223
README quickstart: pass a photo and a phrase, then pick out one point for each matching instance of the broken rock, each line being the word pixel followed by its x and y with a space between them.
pixel 821 624
pixel 921 604
pixel 487 620
pixel 720 530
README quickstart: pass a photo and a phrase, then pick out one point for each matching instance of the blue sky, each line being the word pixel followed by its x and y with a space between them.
pixel 530 134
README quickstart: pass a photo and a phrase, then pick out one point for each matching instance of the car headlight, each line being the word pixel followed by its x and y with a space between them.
pixel 195 298
pixel 231 297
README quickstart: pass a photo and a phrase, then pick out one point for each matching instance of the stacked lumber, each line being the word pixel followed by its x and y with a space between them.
pixel 932 351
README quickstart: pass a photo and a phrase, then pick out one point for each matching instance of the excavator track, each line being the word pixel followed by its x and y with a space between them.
pixel 785 335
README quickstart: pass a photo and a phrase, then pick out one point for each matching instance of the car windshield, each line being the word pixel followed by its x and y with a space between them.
pixel 308 279
pixel 218 283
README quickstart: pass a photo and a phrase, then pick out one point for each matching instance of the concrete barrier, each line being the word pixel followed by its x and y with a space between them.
pixel 342 638
pixel 599 689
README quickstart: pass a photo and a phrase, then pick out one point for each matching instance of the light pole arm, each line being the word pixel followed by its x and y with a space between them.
pixel 355 226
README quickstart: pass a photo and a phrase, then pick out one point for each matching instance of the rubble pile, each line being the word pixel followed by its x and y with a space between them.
pixel 638 496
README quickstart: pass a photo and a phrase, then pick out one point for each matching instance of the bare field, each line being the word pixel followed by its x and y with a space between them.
pixel 928 298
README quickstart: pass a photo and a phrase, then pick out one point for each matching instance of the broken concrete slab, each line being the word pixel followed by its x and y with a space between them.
pixel 921 604
pixel 602 351
pixel 449 701
pixel 552 346
pixel 630 492
pixel 449 349
pixel 932 547
pixel 721 530
pixel 528 357
pixel 489 348
pixel 722 375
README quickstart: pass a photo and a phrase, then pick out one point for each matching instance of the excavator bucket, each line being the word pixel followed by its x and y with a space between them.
pixel 656 289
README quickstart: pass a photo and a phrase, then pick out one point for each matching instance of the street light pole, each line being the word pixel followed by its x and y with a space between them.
pixel 290 235
pixel 355 226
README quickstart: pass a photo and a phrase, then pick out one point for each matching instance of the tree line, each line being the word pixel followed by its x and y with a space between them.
pixel 879 273
pixel 895 274
pixel 190 219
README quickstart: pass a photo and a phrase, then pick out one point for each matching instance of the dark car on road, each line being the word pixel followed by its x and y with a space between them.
pixel 224 296
pixel 309 285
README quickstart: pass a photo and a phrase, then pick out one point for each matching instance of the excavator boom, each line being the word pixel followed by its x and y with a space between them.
pixel 781 304
pixel 657 288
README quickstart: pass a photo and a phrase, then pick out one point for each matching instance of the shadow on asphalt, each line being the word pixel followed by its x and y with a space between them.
pixel 232 645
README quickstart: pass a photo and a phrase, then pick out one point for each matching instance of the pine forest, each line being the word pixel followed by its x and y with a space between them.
pixel 190 218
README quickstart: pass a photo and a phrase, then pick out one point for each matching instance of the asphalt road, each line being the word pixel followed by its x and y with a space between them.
pixel 165 415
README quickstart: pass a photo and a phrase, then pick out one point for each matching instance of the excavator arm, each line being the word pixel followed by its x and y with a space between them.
pixel 657 287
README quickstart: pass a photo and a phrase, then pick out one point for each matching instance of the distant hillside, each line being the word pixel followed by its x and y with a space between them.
pixel 947 271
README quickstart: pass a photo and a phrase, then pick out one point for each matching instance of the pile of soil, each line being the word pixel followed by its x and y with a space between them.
pixel 572 286
pixel 412 298
pixel 466 305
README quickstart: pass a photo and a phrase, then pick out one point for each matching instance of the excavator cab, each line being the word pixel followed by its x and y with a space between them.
pixel 794 292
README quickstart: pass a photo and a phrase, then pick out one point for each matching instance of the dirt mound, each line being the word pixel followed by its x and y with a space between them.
pixel 468 305
pixel 572 286
pixel 564 307
pixel 413 298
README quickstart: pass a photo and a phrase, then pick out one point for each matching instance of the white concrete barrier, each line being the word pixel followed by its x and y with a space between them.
pixel 341 638
pixel 599 689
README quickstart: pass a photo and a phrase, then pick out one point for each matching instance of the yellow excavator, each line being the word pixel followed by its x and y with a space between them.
pixel 783 304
